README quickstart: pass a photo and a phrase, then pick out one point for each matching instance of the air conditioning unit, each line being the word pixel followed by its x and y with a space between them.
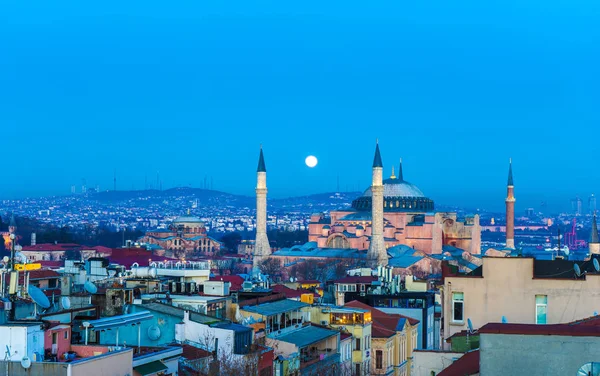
pixel 323 322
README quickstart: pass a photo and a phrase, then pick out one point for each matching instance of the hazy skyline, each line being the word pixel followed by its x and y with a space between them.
pixel 192 89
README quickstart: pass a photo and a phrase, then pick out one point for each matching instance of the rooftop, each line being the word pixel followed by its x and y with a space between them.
pixel 307 336
pixel 274 308
pixel 467 364
pixel 569 330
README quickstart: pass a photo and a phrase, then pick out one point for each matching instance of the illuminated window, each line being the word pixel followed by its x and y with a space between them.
pixel 541 307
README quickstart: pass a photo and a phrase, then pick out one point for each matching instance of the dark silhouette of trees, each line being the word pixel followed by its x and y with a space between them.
pixel 270 266
pixel 231 240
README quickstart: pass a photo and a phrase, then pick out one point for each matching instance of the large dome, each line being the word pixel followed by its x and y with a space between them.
pixel 398 196
pixel 397 188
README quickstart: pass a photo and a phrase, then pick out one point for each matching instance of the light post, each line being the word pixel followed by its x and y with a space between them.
pixel 13 238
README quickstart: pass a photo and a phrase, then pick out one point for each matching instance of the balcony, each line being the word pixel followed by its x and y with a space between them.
pixel 318 361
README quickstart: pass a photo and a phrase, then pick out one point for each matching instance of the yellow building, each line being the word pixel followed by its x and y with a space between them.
pixel 394 337
pixel 355 354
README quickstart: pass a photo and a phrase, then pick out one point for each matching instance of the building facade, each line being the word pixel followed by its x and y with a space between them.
pixel 186 237
pixel 520 290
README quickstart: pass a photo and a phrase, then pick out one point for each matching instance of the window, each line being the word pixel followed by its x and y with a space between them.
pixel 458 307
pixel 378 359
pixel 390 360
pixel 66 335
pixel 541 306
pixel 357 373
pixel 357 344
pixel 54 338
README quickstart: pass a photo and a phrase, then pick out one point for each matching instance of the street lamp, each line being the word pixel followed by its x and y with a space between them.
pixel 12 251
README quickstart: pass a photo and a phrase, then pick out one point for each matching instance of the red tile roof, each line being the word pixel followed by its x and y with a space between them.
pixel 542 330
pixel 384 324
pixel 357 279
pixel 344 335
pixel 468 364
pixel 51 247
pixel 291 293
pixel 588 321
pixel 235 280
pixel 310 282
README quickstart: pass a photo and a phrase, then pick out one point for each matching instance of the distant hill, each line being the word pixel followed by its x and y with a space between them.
pixel 309 203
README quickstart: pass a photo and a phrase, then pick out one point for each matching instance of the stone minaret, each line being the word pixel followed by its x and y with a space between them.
pixel 594 240
pixel 377 254
pixel 510 210
pixel 262 249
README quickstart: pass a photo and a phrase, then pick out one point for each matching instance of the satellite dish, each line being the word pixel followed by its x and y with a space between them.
pixel 596 265
pixel 25 362
pixel 153 332
pixel 65 302
pixel 589 369
pixel 5 259
pixel 470 325
pixel 38 296
pixel 291 279
pixel 504 320
pixel 90 287
pixel 595 313
pixel 577 270
pixel 111 273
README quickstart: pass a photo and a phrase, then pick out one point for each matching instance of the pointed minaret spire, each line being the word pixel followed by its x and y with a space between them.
pixel 377 160
pixel 510 209
pixel 377 253
pixel 261 162
pixel 400 174
pixel 262 248
pixel 594 239
pixel 393 176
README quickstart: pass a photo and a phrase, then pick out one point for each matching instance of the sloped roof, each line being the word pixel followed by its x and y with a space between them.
pixel 383 323
pixel 466 365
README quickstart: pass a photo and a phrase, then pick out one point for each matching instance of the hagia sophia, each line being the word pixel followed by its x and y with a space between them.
pixel 409 219
pixel 392 224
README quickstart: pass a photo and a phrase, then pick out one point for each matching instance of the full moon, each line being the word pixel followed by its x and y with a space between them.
pixel 311 161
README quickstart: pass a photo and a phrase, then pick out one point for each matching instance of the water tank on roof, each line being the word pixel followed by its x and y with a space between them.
pixel 144 272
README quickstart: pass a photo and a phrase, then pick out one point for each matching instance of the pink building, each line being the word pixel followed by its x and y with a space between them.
pixel 409 219
pixel 57 340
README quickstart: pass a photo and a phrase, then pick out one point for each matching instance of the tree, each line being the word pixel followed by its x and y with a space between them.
pixel 270 266
pixel 231 241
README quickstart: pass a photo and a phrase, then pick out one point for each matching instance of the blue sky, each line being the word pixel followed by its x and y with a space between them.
pixel 193 88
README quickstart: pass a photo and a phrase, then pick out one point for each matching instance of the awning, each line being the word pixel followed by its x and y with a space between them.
pixel 150 368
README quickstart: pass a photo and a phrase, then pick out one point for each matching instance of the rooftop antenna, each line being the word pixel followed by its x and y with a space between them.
pixel 469 332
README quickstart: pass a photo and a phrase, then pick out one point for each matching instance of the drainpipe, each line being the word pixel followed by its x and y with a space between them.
pixel 139 335
pixel 117 345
